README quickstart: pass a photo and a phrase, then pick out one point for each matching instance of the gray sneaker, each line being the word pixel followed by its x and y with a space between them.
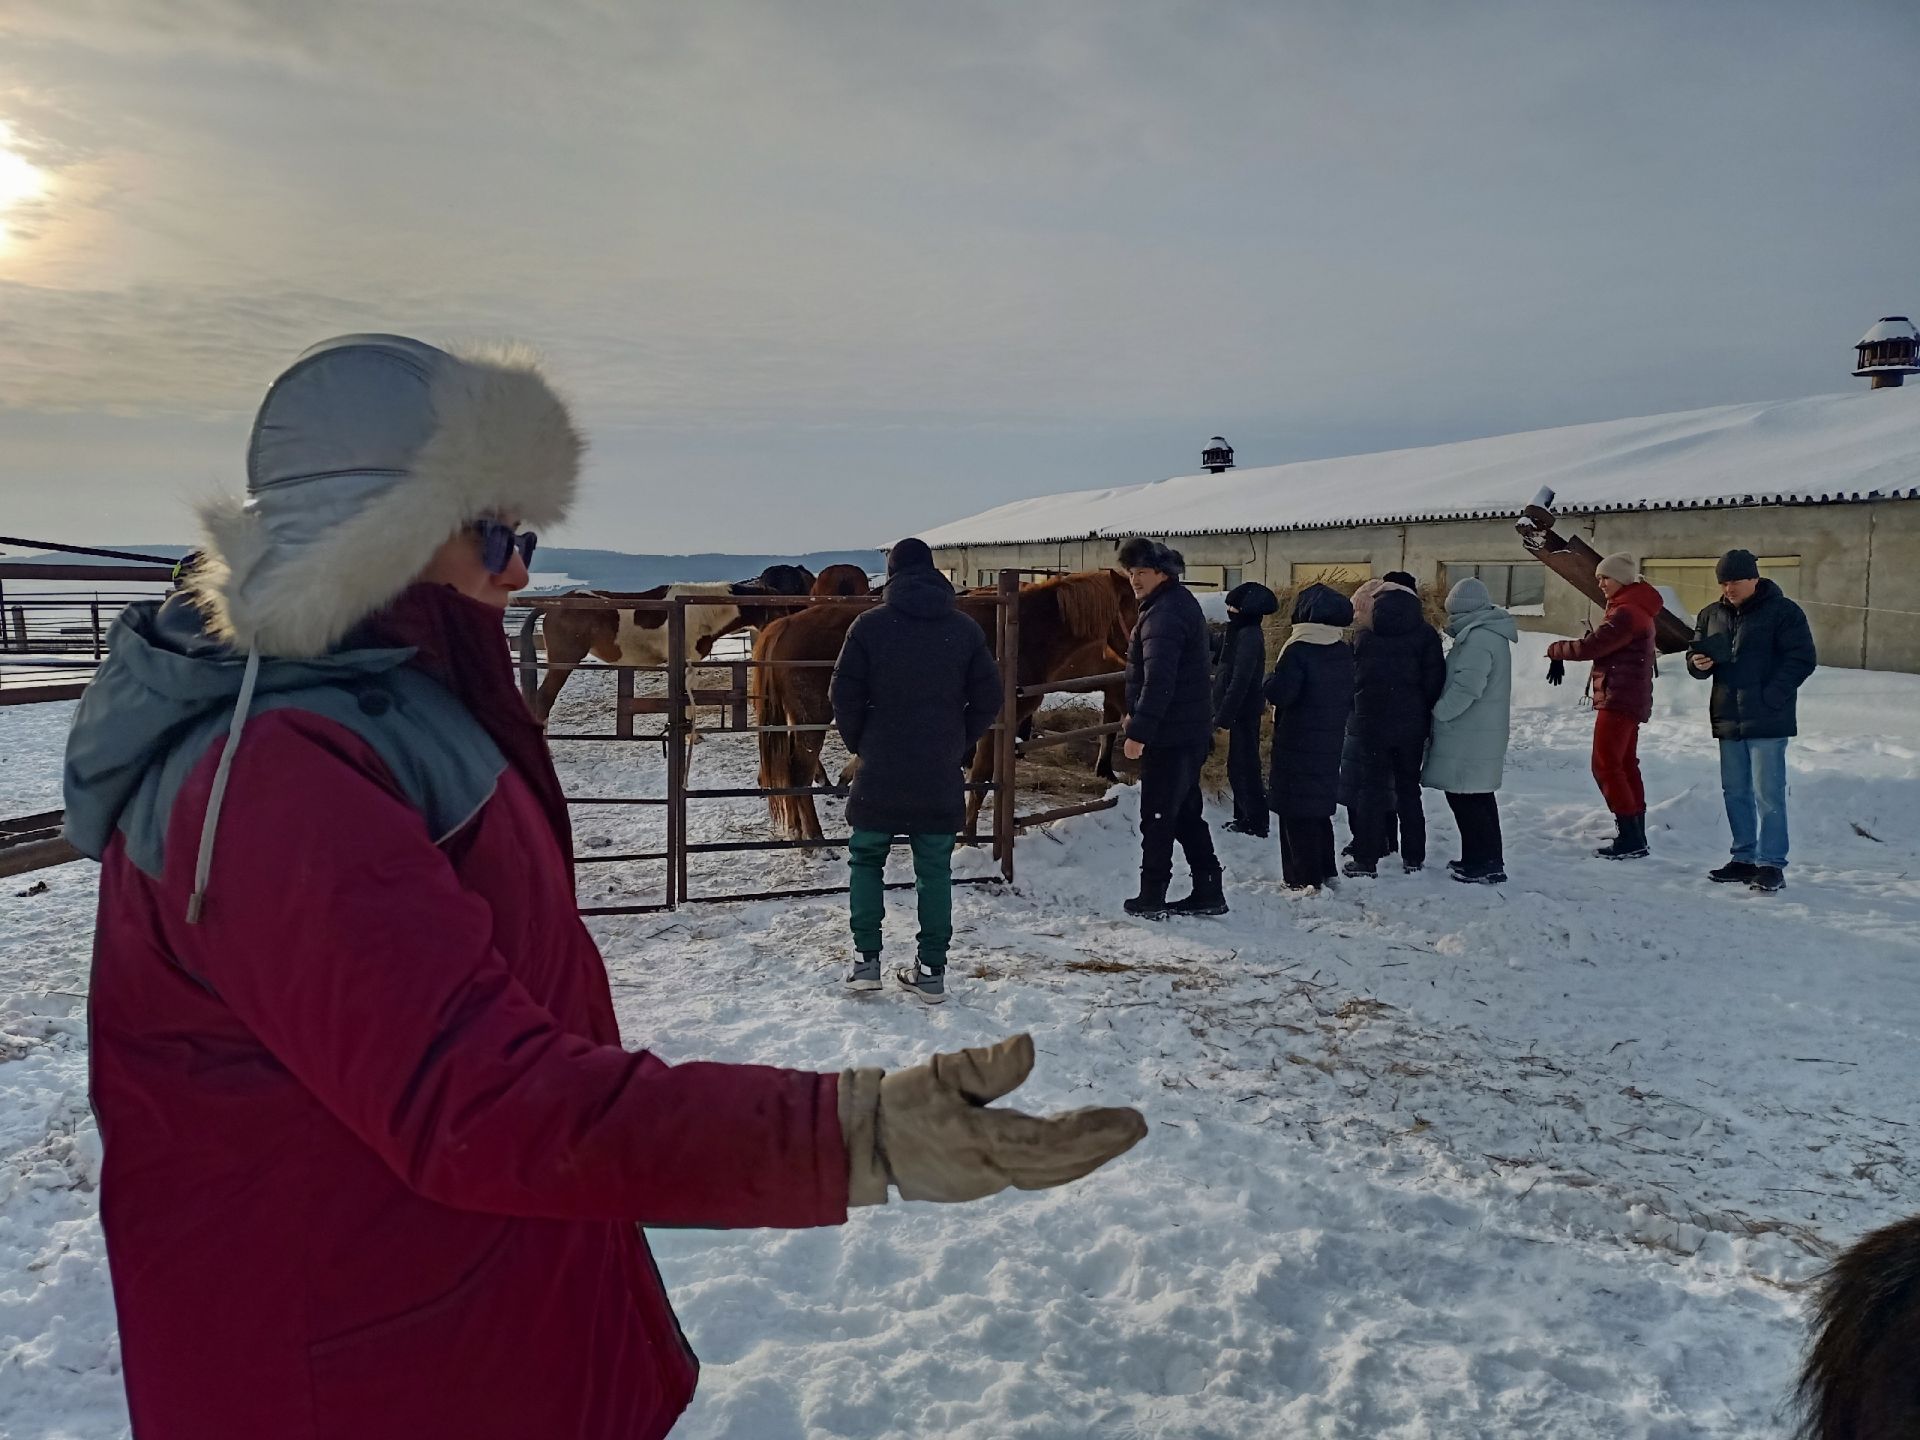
pixel 864 974
pixel 929 985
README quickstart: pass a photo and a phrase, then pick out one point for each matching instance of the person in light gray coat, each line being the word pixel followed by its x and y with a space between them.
pixel 1470 724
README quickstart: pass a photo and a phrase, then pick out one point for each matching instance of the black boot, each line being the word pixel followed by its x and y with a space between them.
pixel 1629 841
pixel 1151 902
pixel 1208 897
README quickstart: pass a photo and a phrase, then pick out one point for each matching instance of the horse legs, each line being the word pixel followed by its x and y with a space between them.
pixel 565 648
pixel 1111 712
pixel 978 772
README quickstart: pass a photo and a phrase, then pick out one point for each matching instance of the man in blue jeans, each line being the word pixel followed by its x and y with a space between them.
pixel 1755 645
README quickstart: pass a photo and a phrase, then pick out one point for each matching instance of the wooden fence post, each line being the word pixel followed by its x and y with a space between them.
pixel 529 662
pixel 1005 796
pixel 676 750
pixel 623 703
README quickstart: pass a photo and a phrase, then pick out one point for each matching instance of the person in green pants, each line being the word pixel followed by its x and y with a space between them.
pixel 914 689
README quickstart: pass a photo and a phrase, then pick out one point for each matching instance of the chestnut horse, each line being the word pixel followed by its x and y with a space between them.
pixel 620 634
pixel 842 580
pixel 1068 626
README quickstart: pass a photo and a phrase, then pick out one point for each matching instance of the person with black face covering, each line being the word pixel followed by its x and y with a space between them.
pixel 1237 705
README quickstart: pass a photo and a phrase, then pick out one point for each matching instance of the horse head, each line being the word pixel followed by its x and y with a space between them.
pixel 784 580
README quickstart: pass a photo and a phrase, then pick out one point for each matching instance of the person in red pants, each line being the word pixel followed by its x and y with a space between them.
pixel 1622 651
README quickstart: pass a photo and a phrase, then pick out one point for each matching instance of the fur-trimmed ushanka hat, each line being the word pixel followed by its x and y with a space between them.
pixel 367 454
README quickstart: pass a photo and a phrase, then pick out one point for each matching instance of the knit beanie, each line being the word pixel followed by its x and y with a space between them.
pixel 1737 565
pixel 909 555
pixel 1618 567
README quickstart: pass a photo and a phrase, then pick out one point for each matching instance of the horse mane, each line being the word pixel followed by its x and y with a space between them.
pixel 1088 601
pixel 1857 1379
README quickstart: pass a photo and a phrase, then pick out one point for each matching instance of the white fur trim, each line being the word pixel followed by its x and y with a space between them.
pixel 502 443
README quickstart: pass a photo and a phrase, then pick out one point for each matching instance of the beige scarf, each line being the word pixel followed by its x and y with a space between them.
pixel 1308 633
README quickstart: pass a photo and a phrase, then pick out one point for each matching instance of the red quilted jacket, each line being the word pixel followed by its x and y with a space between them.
pixel 375 1159
pixel 1621 648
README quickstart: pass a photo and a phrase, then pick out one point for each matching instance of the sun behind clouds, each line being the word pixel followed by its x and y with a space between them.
pixel 20 180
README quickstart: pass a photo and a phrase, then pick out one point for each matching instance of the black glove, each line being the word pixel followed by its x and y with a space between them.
pixel 1556 671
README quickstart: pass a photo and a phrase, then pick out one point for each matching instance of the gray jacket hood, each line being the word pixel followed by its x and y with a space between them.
pixel 168 689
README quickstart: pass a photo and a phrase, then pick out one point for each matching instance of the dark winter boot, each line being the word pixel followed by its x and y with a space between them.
pixel 1734 872
pixel 1767 879
pixel 1484 872
pixel 1151 902
pixel 1358 869
pixel 1629 841
pixel 1208 897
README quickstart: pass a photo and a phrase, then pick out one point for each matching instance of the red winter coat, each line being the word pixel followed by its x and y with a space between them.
pixel 1621 648
pixel 374 1158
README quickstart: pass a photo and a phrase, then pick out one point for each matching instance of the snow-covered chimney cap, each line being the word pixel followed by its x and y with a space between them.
pixel 1890 327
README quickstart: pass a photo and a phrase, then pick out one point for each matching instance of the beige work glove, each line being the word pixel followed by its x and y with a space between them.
pixel 929 1132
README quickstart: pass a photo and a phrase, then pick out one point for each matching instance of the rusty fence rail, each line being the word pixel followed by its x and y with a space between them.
pixel 33 841
pixel 678 709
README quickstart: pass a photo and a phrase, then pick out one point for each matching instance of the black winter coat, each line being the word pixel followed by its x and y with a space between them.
pixel 1755 693
pixel 1168 694
pixel 1243 657
pixel 915 687
pixel 1399 670
pixel 1311 690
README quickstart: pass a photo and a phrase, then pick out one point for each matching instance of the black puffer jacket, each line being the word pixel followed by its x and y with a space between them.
pixel 1311 690
pixel 1399 670
pixel 1243 656
pixel 1168 697
pixel 915 687
pixel 1755 693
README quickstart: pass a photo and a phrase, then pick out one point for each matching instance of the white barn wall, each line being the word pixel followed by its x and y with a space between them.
pixel 1859 562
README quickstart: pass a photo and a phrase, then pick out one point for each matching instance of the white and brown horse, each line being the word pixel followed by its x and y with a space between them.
pixel 625 633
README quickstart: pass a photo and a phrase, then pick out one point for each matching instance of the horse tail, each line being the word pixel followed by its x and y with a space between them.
pixel 1857 1379
pixel 770 710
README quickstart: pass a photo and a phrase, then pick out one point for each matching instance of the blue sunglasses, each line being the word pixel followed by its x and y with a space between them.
pixel 499 540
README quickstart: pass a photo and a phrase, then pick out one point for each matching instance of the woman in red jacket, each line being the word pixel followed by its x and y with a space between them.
pixel 373 1151
pixel 1621 649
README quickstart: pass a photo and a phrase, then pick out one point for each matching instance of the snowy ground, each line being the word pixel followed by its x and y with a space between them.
pixel 1426 1160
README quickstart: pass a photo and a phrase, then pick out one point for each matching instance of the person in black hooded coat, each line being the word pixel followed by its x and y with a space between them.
pixel 1399 672
pixel 914 689
pixel 1237 704
pixel 1311 690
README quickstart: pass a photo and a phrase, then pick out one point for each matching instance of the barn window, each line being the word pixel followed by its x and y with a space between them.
pixel 1521 585
pixel 1693 580
pixel 1231 577
pixel 1342 574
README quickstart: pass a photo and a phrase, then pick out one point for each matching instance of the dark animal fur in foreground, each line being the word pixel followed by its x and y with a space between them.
pixel 1861 1379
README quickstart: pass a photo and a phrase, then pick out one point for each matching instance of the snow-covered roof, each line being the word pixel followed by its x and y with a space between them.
pixel 1855 446
pixel 1890 327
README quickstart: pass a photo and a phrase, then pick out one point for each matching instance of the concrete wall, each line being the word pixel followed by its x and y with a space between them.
pixel 1859 575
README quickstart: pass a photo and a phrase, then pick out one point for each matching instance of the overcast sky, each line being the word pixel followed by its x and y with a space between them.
pixel 822 274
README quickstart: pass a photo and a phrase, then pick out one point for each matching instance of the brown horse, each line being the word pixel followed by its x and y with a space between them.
pixel 1066 625
pixel 621 634
pixel 1071 627
pixel 1861 1379
pixel 842 580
